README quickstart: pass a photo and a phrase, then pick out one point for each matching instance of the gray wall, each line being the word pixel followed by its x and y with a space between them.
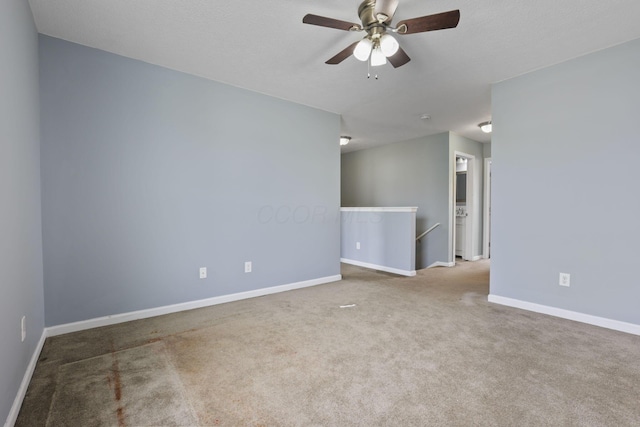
pixel 468 146
pixel 410 173
pixel 21 291
pixel 565 185
pixel 386 239
pixel 149 174
pixel 486 150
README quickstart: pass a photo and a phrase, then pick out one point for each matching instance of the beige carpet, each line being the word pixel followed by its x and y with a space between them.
pixel 138 386
pixel 373 349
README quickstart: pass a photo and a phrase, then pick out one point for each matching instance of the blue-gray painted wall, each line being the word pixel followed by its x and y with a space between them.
pixel 565 185
pixel 409 173
pixel 21 292
pixel 149 174
pixel 386 239
pixel 486 150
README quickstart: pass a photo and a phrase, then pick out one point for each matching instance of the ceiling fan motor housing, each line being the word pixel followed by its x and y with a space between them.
pixel 374 27
pixel 366 13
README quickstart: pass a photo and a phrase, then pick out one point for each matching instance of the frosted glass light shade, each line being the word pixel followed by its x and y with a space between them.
pixel 363 49
pixel 388 45
pixel 486 127
pixel 377 57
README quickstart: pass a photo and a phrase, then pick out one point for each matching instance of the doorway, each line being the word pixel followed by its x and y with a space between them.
pixel 463 207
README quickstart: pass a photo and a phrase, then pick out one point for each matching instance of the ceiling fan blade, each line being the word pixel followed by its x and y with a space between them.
pixel 439 21
pixel 385 8
pixel 399 58
pixel 344 54
pixel 330 23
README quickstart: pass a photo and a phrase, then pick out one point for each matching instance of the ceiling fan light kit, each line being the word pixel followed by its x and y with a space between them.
pixel 389 45
pixel 366 48
pixel 377 57
pixel 363 49
pixel 378 44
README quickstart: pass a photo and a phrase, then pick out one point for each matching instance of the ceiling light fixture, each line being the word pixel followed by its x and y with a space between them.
pixel 344 140
pixel 388 45
pixel 377 57
pixel 485 127
pixel 377 49
pixel 363 49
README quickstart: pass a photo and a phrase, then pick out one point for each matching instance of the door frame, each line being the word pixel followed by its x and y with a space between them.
pixel 471 212
pixel 486 219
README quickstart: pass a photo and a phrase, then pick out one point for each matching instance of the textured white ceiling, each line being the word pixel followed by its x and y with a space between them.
pixel 263 46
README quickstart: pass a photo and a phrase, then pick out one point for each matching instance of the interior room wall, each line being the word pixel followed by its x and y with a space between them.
pixel 459 143
pixel 564 198
pixel 149 174
pixel 409 173
pixel 21 292
pixel 486 150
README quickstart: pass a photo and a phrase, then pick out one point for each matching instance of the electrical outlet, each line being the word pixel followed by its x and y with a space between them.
pixel 565 279
pixel 203 272
pixel 247 267
pixel 23 327
pixel 357 245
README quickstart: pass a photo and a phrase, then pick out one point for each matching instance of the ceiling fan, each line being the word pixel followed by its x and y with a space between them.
pixel 379 45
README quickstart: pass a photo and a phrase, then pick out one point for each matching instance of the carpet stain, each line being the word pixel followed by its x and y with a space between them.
pixel 117 386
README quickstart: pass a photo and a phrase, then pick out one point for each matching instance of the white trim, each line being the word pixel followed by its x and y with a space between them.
pixel 452 206
pixel 472 185
pixel 380 209
pixel 470 223
pixel 379 267
pixel 26 379
pixel 442 264
pixel 167 309
pixel 476 258
pixel 603 322
pixel 486 218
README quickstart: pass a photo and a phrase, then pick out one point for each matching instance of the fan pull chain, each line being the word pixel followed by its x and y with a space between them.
pixel 369 70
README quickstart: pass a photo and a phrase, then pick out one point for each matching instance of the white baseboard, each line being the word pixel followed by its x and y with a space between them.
pixel 603 322
pixel 379 267
pixel 142 314
pixel 26 379
pixel 167 309
pixel 442 264
pixel 476 258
